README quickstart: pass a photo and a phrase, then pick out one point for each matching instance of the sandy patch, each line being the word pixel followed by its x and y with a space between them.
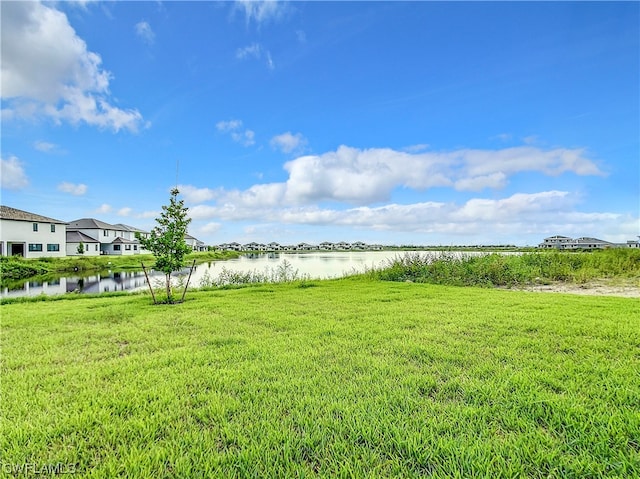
pixel 590 289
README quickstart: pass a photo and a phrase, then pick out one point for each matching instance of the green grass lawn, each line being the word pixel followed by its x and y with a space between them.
pixel 344 378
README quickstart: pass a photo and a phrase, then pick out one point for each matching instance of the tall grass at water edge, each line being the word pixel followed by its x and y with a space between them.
pixel 460 269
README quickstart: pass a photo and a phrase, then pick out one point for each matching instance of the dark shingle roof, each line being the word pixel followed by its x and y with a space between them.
pixel 78 236
pixel 8 213
pixel 90 223
pixel 123 227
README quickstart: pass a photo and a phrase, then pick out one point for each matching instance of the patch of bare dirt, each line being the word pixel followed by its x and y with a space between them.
pixel 626 290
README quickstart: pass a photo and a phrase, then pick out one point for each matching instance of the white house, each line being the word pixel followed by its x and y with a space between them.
pixel 194 243
pixel 557 241
pixel 113 239
pixel 30 235
pixel 90 246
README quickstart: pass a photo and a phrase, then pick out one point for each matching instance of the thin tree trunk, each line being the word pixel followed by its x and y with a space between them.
pixel 149 283
pixel 168 279
pixel 188 278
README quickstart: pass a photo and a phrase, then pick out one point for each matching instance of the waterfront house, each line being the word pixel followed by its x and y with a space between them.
pixel 112 239
pixel 90 246
pixel 30 235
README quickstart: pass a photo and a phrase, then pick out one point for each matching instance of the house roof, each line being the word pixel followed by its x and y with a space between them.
pixel 91 223
pixel 79 237
pixel 586 239
pixel 133 229
pixel 121 240
pixel 8 213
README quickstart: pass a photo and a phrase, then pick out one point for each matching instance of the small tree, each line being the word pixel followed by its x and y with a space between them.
pixel 80 249
pixel 166 240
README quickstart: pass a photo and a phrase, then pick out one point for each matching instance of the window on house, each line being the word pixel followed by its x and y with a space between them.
pixel 116 247
pixel 53 247
pixel 135 247
pixel 35 246
pixel 53 228
pixel 35 226
pixel 105 233
pixel 128 247
pixel 96 248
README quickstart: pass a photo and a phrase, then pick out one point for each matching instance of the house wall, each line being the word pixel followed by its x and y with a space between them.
pixel 45 242
pixel 90 249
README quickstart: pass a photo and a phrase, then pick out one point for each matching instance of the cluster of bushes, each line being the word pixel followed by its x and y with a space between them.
pixel 462 269
pixel 16 267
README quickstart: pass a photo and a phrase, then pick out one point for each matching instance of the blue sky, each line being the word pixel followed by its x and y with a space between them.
pixel 384 122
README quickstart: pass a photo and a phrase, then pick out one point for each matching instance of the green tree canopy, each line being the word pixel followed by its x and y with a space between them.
pixel 167 240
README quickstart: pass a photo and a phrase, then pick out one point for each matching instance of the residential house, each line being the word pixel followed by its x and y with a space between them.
pixel 273 246
pixel 90 246
pixel 634 243
pixel 590 243
pixel 113 239
pixel 558 241
pixel 30 235
pixel 194 243
pixel 585 242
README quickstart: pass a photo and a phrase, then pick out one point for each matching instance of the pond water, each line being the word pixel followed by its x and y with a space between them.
pixel 314 265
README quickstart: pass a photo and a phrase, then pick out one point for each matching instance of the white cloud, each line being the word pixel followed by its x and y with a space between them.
pixel 257 51
pixel 12 174
pixel 45 146
pixel 253 50
pixel 262 11
pixel 144 31
pixel 148 214
pixel 192 194
pixel 235 129
pixel 270 63
pixel 76 190
pixel 533 215
pixel 370 176
pixel 478 183
pixel 288 142
pixel 227 126
pixel 48 71
pixel 126 211
pixel 104 209
pixel 210 228
pixel 416 148
pixel 366 176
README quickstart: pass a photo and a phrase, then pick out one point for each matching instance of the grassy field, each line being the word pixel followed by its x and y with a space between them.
pixel 344 378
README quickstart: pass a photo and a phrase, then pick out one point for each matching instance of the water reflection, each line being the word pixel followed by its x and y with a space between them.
pixel 314 265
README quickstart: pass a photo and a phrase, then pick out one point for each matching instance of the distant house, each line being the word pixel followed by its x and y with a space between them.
pixel 558 242
pixel 30 235
pixel 326 246
pixel 633 243
pixel 590 243
pixel 585 242
pixel 230 247
pixel 194 243
pixel 90 246
pixel 112 239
